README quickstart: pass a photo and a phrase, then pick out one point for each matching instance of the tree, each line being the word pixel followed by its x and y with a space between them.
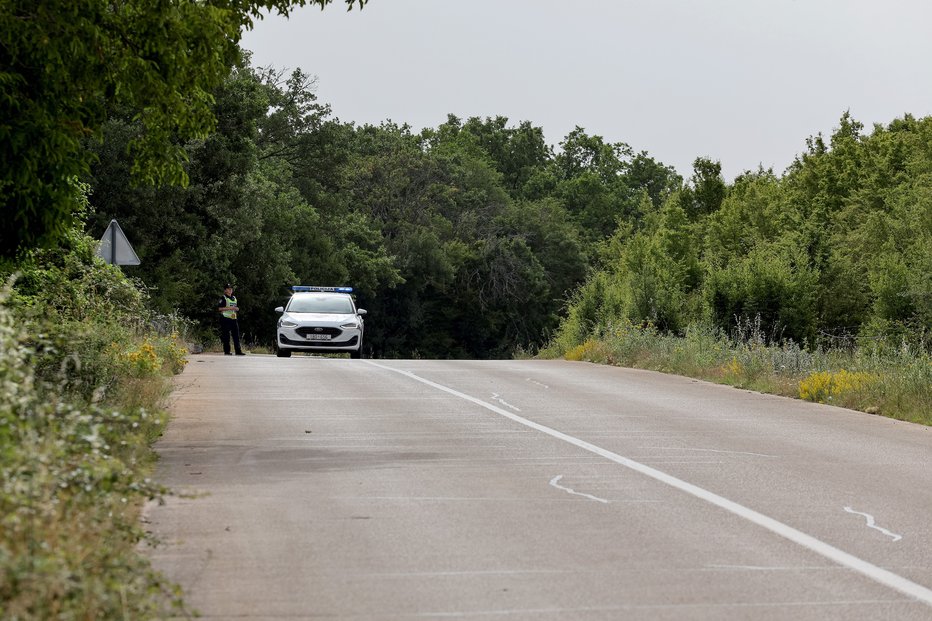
pixel 65 63
pixel 647 174
pixel 708 187
pixel 516 152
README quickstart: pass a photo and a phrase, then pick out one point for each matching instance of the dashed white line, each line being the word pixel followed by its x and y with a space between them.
pixel 869 570
pixel 872 524
pixel 538 383
pixel 555 482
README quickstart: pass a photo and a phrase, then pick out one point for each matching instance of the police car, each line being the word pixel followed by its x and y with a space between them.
pixel 320 319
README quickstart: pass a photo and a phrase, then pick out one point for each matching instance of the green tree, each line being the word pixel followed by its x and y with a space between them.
pixel 516 152
pixel 243 216
pixel 65 63
pixel 707 189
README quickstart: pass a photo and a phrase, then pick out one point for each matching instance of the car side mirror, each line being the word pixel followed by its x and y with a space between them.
pixel 361 311
pixel 279 309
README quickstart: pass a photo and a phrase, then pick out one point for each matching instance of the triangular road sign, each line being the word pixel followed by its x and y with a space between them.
pixel 114 248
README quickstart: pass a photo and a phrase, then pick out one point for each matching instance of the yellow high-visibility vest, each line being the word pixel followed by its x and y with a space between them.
pixel 229 314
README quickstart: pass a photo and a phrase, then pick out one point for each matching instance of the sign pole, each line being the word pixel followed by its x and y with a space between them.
pixel 113 243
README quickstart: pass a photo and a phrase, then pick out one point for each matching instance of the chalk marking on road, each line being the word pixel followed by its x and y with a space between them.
pixel 555 482
pixel 869 570
pixel 536 382
pixel 772 568
pixel 872 524
pixel 566 612
pixel 478 572
pixel 498 499
pixel 679 448
pixel 496 397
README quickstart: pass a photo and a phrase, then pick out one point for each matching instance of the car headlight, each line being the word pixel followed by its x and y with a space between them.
pixel 350 326
pixel 284 323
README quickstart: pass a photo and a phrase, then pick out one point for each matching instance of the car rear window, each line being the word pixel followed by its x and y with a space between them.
pixel 338 304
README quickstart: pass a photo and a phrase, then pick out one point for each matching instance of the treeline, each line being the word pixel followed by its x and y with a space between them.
pixel 463 240
pixel 835 252
pixel 468 239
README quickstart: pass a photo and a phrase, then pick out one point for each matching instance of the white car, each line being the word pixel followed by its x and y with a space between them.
pixel 320 319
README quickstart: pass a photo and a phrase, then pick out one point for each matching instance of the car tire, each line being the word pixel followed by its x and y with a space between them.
pixel 283 353
pixel 356 354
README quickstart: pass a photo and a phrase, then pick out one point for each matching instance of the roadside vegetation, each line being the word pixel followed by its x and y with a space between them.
pixel 816 284
pixel 84 370
pixel 891 381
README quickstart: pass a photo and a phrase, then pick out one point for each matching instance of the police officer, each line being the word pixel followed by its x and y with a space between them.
pixel 228 307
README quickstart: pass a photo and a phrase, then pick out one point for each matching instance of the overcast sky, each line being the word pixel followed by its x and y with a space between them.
pixel 740 81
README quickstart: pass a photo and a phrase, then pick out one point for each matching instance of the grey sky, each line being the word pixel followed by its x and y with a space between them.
pixel 741 81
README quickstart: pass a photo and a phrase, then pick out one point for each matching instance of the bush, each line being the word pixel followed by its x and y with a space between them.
pixel 83 377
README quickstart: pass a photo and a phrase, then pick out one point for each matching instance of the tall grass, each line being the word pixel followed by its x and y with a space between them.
pixel 874 378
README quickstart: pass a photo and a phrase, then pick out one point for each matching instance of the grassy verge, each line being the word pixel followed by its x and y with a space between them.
pixel 83 374
pixel 892 382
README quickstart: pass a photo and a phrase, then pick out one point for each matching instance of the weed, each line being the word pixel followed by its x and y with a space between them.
pixel 828 386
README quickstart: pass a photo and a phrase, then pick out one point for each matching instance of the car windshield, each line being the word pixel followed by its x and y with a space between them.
pixel 336 304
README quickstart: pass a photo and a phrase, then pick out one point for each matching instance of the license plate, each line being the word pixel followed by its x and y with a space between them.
pixel 318 337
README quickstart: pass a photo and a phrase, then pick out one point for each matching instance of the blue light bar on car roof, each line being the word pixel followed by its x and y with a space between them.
pixel 328 289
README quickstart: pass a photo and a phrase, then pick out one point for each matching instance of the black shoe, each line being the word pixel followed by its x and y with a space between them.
pixel 240 353
pixel 226 353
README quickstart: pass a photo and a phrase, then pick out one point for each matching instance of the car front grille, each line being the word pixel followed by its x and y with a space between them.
pixel 305 330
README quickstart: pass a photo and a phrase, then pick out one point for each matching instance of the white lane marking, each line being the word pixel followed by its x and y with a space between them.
pixel 554 482
pixel 496 397
pixel 872 524
pixel 536 382
pixel 869 570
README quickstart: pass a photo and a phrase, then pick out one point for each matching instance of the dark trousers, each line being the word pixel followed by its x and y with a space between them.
pixel 228 328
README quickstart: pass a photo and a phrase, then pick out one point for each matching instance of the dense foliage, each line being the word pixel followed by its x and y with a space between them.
pixel 467 239
pixel 837 250
pixel 64 63
pixel 462 241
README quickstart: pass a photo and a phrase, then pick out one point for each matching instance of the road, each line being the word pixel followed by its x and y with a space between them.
pixel 408 489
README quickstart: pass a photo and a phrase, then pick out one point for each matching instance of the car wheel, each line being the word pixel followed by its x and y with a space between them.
pixel 283 353
pixel 356 354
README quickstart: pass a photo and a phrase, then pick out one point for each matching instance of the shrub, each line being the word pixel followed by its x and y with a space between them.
pixel 82 378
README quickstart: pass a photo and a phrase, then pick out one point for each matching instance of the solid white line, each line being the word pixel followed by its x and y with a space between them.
pixel 872 524
pixel 554 482
pixel 875 573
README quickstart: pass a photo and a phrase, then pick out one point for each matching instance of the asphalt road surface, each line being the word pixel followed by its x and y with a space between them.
pixel 409 489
